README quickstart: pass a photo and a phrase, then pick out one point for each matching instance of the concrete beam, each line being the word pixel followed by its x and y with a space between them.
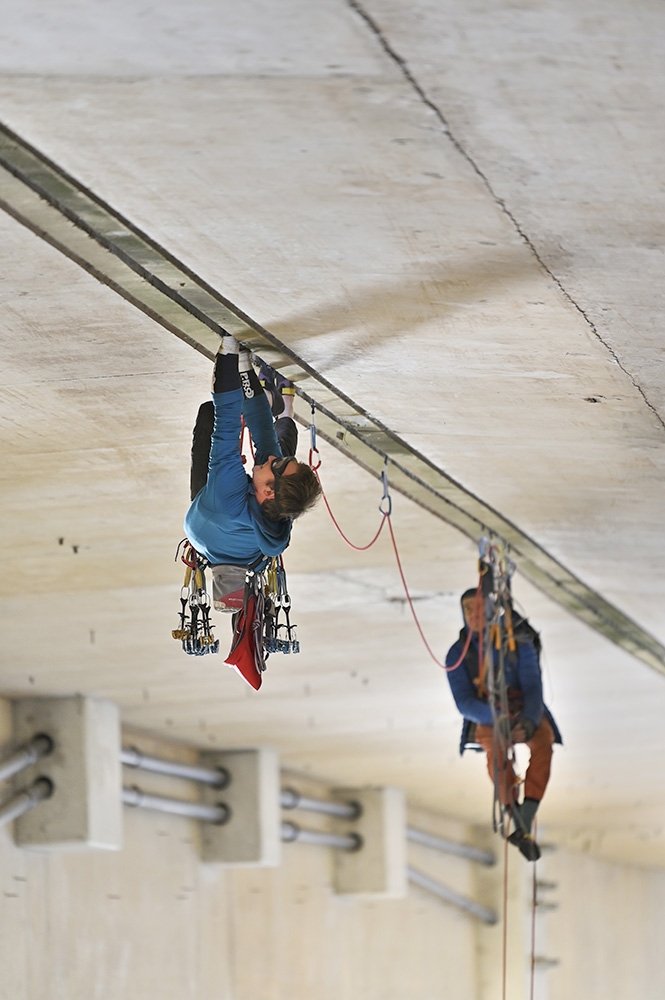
pixel 379 867
pixel 252 834
pixel 85 809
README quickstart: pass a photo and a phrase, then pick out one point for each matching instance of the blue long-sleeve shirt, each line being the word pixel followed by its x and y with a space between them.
pixel 225 522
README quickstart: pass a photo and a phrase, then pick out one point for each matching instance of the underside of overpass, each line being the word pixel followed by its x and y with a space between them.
pixel 445 222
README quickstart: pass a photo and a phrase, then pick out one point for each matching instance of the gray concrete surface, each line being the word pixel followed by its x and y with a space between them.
pixel 490 288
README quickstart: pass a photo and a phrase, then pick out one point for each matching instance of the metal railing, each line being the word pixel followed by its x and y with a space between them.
pixel 41 788
pixel 290 799
pixel 291 832
pixel 218 814
pixel 26 755
pixel 25 800
pixel 482 913
pixel 216 777
pixel 450 846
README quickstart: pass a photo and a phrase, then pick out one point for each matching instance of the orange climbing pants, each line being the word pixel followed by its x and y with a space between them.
pixel 538 771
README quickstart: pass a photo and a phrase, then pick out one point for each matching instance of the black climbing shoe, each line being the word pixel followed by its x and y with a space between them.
pixel 526 845
pixel 268 381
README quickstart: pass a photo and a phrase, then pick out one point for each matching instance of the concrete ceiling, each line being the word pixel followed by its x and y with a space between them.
pixel 452 211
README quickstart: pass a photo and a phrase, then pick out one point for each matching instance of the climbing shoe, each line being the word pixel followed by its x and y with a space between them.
pixel 268 380
pixel 526 845
pixel 283 386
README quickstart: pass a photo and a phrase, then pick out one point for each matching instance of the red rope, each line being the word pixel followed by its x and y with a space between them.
pixel 469 635
pixel 410 602
pixel 358 548
pixel 363 548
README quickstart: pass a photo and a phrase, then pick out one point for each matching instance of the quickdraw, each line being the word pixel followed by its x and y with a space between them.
pixel 266 610
pixel 195 631
pixel 313 450
pixel 496 571
pixel 279 636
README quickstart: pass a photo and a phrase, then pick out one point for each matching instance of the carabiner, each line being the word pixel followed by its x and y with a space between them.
pixel 313 450
pixel 386 495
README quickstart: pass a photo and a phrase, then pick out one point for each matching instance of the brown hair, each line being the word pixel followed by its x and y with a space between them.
pixel 294 494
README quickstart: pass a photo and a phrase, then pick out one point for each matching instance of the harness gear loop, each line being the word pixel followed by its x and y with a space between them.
pixel 196 630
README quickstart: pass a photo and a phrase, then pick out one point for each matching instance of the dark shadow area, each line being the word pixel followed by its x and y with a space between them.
pixel 395 305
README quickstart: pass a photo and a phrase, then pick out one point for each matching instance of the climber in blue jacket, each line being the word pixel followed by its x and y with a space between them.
pixel 235 518
pixel 529 720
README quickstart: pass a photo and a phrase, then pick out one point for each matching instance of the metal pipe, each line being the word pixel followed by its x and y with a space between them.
pixel 39 746
pixel 26 800
pixel 289 798
pixel 450 896
pixel 349 842
pixel 450 847
pixel 219 814
pixel 217 777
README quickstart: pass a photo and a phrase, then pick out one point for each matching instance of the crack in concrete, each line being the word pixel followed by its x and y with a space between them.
pixel 401 62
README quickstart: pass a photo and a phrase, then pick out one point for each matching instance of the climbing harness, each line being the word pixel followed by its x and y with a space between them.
pixel 259 600
pixel 195 630
pixel 229 583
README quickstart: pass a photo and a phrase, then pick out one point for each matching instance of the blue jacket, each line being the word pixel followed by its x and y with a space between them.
pixel 225 522
pixel 523 680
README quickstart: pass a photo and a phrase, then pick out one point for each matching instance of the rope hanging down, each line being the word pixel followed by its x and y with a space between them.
pixel 315 465
pixel 385 508
pixel 534 904
pixel 493 594
pixel 497 637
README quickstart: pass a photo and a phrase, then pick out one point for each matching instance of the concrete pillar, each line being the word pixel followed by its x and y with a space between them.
pixel 489 891
pixel 252 835
pixel 379 868
pixel 85 810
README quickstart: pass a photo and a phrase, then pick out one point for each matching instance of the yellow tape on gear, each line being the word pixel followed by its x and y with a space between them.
pixel 188 577
pixel 199 579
